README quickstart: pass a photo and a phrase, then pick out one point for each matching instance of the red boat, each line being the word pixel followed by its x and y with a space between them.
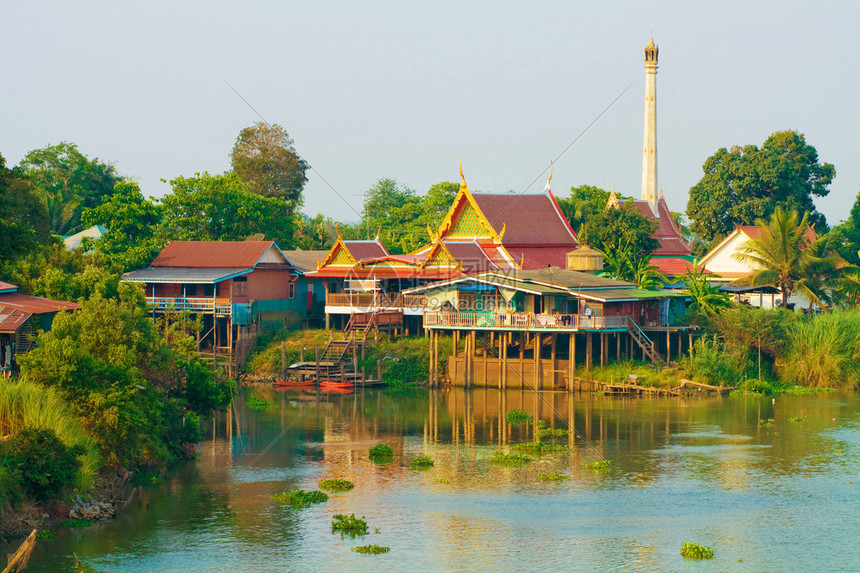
pixel 330 385
pixel 292 383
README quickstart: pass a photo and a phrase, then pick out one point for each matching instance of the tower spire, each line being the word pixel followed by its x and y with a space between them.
pixel 649 152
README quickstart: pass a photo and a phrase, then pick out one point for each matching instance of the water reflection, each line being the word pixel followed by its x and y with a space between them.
pixel 737 474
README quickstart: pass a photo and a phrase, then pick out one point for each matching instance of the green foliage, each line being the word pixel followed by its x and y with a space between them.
pixel 599 465
pixel 314 233
pixel 348 525
pixel 797 419
pixel 517 417
pixel 44 466
pixel 23 219
pixel 26 405
pixel 265 159
pixel 336 485
pixel 130 388
pixel 552 432
pixel 44 534
pixel 381 454
pixel 748 183
pixel 555 476
pixel 584 203
pixel 255 403
pixel 692 550
pixel 371 549
pixel 76 523
pixel 68 183
pixel 421 463
pixel 706 299
pixel 712 364
pixel 132 222
pixel 300 498
pixel 265 359
pixel 824 351
pixel 146 477
pixel 624 236
pixel 405 361
pixel 537 448
pixel 499 458
pixel 221 208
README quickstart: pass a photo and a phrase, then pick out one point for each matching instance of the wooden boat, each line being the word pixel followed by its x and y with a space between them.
pixel 292 383
pixel 336 390
pixel 330 385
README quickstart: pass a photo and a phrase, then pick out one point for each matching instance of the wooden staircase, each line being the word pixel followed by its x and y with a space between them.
pixel 645 343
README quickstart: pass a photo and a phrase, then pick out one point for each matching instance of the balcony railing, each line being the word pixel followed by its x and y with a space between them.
pixel 524 320
pixel 193 304
pixel 378 300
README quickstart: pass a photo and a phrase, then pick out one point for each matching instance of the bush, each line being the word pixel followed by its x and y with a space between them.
pixel 601 465
pixel 824 351
pixel 405 361
pixel 517 417
pixel 500 458
pixel 421 463
pixel 41 463
pixel 371 549
pixel 712 364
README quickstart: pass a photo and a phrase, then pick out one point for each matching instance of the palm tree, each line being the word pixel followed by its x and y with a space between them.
pixel 707 299
pixel 781 256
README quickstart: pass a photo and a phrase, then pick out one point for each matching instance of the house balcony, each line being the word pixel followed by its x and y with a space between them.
pixel 352 303
pixel 521 321
pixel 201 305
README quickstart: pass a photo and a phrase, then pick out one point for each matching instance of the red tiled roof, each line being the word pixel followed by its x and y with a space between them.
pixel 366 250
pixel 11 319
pixel 532 258
pixel 471 256
pixel 34 304
pixel 674 266
pixel 211 254
pixel 528 219
pixel 7 286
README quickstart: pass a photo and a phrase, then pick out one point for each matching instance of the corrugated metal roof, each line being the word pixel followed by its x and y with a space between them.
pixel 569 279
pixel 11 319
pixel 212 254
pixel 305 261
pixel 6 287
pixel 184 275
pixel 619 295
pixel 34 304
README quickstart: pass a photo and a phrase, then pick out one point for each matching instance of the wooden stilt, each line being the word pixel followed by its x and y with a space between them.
pixel 537 345
pixel 571 362
pixel 553 358
pixel 589 350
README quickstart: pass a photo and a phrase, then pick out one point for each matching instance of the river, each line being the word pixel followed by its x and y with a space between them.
pixel 769 484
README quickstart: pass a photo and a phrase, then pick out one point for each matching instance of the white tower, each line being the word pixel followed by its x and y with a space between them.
pixel 649 153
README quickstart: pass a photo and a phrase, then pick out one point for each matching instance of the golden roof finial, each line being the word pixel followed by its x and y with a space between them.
pixel 462 177
pixel 548 179
pixel 613 198
pixel 337 230
pixel 651 42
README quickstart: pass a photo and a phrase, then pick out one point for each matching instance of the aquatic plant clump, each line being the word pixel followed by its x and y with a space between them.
pixel 598 465
pixel 517 417
pixel 500 458
pixel 421 463
pixel 300 498
pixel 371 549
pixel 553 433
pixel 692 550
pixel 797 419
pixel 336 485
pixel 254 403
pixel 537 448
pixel 555 476
pixel 381 454
pixel 348 525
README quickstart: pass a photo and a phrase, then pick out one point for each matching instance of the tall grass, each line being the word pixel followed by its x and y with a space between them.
pixel 29 405
pixel 824 351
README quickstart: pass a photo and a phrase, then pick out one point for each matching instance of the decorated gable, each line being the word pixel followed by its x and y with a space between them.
pixel 339 255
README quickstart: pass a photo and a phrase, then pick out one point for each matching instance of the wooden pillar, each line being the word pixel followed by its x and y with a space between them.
pixel 486 359
pixel 552 355
pixel 317 364
pixel 325 312
pixel 668 346
pixel 618 347
pixel 523 345
pixel 602 349
pixel 467 360
pixel 691 348
pixel 215 340
pixel 589 351
pixel 501 361
pixel 537 376
pixel 284 360
pixel 229 323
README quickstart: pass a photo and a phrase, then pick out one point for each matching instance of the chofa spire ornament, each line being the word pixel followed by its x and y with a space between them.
pixel 462 177
pixel 548 179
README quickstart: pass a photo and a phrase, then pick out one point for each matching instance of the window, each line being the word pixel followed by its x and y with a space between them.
pixel 240 286
pixel 292 289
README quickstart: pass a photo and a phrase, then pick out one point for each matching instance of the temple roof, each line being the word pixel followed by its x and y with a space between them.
pixel 528 219
pixel 667 233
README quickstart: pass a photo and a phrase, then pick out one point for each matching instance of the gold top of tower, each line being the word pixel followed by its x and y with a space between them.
pixel 651 51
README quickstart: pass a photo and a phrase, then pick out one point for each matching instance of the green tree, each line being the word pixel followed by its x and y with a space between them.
pixel 23 219
pixel 583 203
pixel 850 234
pixel 264 158
pixel 747 183
pixel 67 183
pixel 706 299
pixel 624 236
pixel 784 255
pixel 221 208
pixel 132 222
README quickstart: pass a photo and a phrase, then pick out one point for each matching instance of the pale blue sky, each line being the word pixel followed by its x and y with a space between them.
pixel 403 89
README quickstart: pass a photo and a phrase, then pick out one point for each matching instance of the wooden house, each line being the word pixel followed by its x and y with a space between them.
pixel 22 316
pixel 232 285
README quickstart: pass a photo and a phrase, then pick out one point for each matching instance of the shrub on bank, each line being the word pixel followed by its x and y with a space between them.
pixel 44 467
pixel 405 361
pixel 824 351
pixel 265 359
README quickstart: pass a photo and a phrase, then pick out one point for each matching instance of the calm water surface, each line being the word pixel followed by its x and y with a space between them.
pixel 767 496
